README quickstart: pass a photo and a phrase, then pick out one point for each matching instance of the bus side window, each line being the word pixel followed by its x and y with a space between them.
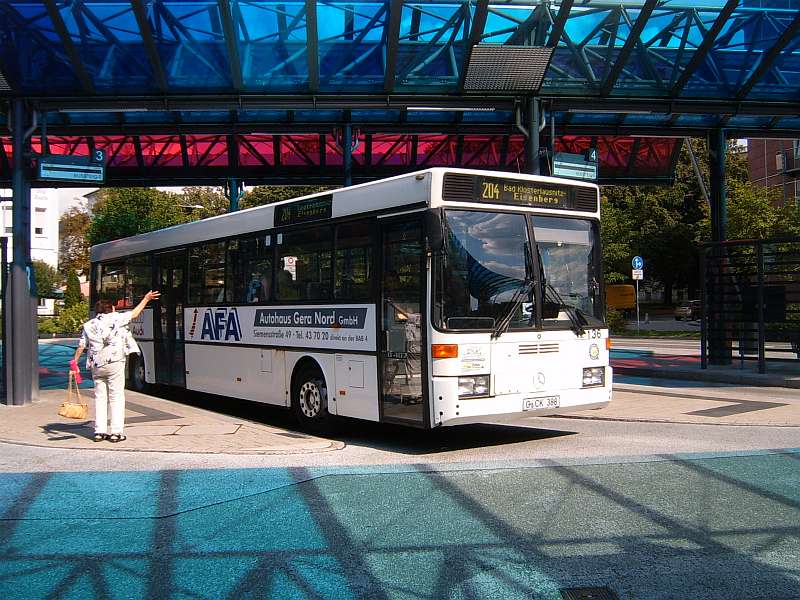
pixel 353 261
pixel 207 265
pixel 304 265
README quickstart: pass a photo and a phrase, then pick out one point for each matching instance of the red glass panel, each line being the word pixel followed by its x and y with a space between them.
pixel 256 150
pixel 120 150
pixel 206 151
pixel 300 150
pixel 391 150
pixel 482 151
pixel 436 150
pixel 334 156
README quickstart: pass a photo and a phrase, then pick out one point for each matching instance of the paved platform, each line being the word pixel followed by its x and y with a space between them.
pixel 153 424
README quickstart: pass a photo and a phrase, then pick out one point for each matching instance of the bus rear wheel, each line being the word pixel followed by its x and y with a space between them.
pixel 310 399
pixel 136 379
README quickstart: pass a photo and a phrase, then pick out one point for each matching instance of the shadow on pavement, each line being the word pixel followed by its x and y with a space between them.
pixel 705 528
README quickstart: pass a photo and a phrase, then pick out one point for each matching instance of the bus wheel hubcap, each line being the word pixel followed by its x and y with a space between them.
pixel 138 373
pixel 310 399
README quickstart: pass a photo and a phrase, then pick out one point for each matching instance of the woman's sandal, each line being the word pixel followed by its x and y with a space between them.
pixel 99 437
pixel 116 437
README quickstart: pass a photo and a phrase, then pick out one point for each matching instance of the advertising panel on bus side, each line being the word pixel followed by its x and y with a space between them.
pixel 343 327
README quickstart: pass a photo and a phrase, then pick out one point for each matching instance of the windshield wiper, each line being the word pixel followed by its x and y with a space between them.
pixel 516 300
pixel 572 312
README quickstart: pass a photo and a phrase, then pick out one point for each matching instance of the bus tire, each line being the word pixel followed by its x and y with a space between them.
pixel 136 379
pixel 310 398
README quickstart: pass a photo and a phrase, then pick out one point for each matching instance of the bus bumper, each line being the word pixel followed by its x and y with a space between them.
pixel 450 409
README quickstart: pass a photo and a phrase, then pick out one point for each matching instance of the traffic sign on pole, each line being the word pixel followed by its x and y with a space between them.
pixel 637 263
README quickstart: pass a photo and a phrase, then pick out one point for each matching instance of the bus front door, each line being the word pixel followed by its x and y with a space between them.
pixel 168 327
pixel 402 344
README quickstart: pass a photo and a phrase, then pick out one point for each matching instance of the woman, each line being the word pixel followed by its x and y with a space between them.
pixel 106 339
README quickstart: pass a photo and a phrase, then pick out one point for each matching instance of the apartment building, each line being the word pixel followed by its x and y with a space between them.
pixel 44 231
pixel 775 164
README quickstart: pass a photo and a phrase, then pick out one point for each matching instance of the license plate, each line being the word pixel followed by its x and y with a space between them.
pixel 539 403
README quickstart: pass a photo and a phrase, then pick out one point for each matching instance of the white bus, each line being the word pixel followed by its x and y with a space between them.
pixel 436 298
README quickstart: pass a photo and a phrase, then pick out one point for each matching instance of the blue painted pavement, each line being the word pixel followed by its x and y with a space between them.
pixel 725 526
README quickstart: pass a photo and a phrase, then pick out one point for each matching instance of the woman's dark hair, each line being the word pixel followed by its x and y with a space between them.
pixel 103 306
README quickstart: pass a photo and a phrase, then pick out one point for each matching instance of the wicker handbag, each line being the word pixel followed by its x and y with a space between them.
pixel 73 410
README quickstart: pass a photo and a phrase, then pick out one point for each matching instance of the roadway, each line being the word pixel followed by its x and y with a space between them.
pixel 695 506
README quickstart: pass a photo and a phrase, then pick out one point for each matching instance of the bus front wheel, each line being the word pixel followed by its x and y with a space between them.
pixel 310 398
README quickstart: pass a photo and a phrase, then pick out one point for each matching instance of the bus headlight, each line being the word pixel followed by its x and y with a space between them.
pixel 594 376
pixel 477 385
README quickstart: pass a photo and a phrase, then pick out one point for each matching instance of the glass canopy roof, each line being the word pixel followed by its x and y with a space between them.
pixel 399 67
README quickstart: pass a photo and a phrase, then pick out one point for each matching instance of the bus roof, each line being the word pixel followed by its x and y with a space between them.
pixel 411 189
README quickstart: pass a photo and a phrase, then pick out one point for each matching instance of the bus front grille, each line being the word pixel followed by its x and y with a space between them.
pixel 545 348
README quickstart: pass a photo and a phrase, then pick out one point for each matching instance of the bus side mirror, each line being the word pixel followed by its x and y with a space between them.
pixel 434 229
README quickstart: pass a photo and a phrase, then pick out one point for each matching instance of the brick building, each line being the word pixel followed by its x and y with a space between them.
pixel 776 164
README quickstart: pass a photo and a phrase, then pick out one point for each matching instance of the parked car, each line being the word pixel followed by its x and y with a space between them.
pixel 690 310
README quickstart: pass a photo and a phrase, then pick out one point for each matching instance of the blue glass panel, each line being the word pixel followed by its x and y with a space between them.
pixel 495 116
pixel 432 44
pixel 264 116
pixel 748 121
pixel 272 45
pixel 430 116
pixel 503 23
pixel 205 116
pixel 107 39
pixel 312 116
pixel 375 116
pixel 150 116
pixel 745 37
pixel 351 46
pixel 191 45
pixel 31 52
pixel 697 121
pixel 645 120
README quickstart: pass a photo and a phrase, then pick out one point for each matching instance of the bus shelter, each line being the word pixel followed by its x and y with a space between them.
pixel 270 91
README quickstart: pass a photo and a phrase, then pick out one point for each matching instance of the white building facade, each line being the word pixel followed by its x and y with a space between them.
pixel 44 232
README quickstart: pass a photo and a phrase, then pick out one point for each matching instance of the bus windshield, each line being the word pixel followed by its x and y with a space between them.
pixel 483 269
pixel 485 279
pixel 567 250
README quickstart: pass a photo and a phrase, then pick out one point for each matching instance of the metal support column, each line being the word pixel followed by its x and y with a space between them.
pixel 20 313
pixel 717 147
pixel 347 152
pixel 534 165
pixel 234 190
pixel 719 350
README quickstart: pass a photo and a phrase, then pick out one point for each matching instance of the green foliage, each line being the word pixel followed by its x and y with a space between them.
pixel 72 295
pixel 616 322
pixel 268 194
pixel 202 202
pixel 122 212
pixel 70 320
pixel 47 279
pixel 73 244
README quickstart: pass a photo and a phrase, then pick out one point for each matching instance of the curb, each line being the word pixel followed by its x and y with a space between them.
pixel 332 446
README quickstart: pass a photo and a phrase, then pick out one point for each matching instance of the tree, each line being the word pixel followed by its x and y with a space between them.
pixel 73 244
pixel 202 202
pixel 269 194
pixel 122 212
pixel 72 295
pixel 47 279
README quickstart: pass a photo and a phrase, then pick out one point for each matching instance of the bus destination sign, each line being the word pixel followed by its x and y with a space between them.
pixel 524 193
pixel 312 209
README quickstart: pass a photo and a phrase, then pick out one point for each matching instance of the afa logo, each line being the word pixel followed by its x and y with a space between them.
pixel 221 325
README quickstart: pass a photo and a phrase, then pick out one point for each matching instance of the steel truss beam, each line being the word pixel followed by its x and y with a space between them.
pixel 72 53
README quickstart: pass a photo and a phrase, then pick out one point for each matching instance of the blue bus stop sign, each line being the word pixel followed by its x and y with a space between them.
pixel 637 262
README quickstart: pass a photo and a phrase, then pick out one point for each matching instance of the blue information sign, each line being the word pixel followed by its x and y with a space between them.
pixel 637 262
